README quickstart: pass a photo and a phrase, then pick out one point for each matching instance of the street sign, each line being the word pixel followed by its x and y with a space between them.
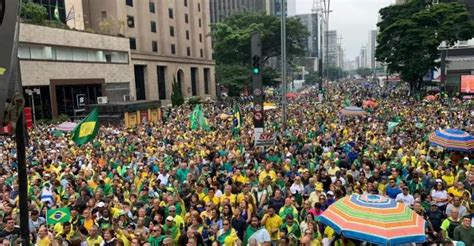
pixel 257 92
pixel 81 100
pixel 258 115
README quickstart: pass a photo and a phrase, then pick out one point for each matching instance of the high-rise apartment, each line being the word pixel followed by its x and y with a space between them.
pixel 169 41
pixel 372 45
pixel 310 21
pixel 331 53
pixel 221 9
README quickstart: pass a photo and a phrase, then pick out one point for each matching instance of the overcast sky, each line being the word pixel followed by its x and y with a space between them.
pixel 352 19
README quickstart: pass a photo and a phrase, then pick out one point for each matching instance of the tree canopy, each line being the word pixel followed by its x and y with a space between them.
pixel 232 49
pixel 364 72
pixel 411 33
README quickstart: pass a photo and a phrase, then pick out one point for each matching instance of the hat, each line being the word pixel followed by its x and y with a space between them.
pixel 101 204
pixel 330 193
pixel 466 158
pixel 439 181
pixel 169 218
pixel 319 187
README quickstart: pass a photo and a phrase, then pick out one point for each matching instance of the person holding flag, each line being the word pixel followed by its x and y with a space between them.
pixel 87 129
pixel 236 120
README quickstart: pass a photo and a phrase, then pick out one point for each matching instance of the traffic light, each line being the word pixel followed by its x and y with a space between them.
pixel 256 64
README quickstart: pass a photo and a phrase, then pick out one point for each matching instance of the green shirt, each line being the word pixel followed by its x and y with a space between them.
pixel 182 174
pixel 464 235
pixel 156 241
pixel 248 233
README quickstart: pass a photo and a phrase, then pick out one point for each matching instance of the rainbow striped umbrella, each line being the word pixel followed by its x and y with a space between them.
pixel 375 219
pixel 353 111
pixel 453 139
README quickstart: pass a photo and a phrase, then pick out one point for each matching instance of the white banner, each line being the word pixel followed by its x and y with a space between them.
pixel 263 139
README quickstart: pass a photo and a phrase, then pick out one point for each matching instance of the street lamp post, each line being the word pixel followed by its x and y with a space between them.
pixel 31 93
pixel 283 63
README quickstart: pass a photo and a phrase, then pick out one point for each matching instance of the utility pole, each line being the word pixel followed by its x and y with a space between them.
pixel 284 101
pixel 318 10
pixel 341 63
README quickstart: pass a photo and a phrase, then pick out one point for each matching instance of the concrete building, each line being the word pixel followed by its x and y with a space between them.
pixel 169 40
pixel 363 57
pixel 331 53
pixel 310 21
pixel 221 9
pixel 70 69
pixel 372 45
pixel 340 57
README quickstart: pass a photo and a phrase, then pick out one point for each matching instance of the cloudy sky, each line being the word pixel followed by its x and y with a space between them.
pixel 352 19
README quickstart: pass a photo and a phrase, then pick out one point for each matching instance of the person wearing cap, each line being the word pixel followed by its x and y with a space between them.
pixel 465 232
pixel 170 229
pixel 405 197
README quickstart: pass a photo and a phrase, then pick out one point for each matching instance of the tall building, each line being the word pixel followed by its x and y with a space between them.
pixel 340 57
pixel 221 9
pixel 372 45
pixel 310 21
pixel 291 5
pixel 169 41
pixel 331 53
pixel 363 57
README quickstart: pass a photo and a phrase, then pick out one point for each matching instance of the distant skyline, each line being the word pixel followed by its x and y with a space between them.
pixel 353 19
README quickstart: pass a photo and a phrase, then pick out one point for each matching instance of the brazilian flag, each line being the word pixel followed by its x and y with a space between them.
pixel 60 215
pixel 237 120
pixel 87 129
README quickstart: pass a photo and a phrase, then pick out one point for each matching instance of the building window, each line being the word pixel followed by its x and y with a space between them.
pixel 133 43
pixel 202 53
pixel 188 51
pixel 170 13
pixel 154 46
pixel 186 18
pixel 187 34
pixel 130 21
pixel 207 73
pixel 103 14
pixel 199 7
pixel 153 26
pixel 185 3
pixel 161 70
pixel 129 3
pixel 200 23
pixel 173 49
pixel 200 38
pixel 172 31
pixel 152 7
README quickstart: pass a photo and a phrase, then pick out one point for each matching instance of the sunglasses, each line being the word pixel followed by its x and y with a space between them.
pixel 226 224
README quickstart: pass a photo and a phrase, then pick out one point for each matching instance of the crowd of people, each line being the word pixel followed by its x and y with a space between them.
pixel 165 184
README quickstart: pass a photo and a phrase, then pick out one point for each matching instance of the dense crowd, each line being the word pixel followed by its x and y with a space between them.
pixel 165 184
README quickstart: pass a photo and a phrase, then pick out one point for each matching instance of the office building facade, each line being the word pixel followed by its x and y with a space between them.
pixel 310 21
pixel 169 41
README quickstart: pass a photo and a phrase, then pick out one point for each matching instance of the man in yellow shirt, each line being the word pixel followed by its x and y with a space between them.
pixel 94 238
pixel 228 195
pixel 210 197
pixel 267 172
pixel 272 223
pixel 44 238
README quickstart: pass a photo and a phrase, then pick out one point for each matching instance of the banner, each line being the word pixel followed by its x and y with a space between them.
pixel 264 139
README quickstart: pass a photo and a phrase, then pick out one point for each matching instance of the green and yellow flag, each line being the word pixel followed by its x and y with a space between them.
pixel 60 215
pixel 198 119
pixel 87 129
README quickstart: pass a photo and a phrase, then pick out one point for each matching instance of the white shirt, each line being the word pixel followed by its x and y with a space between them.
pixel 439 194
pixel 407 200
pixel 297 188
pixel 163 178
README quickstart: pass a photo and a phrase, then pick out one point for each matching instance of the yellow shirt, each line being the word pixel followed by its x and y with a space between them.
pixel 201 196
pixel 453 190
pixel 44 242
pixel 448 179
pixel 264 174
pixel 273 223
pixel 231 198
pixel 215 200
pixel 92 242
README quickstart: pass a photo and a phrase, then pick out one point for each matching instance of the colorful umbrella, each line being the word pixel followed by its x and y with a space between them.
pixel 66 126
pixel 353 111
pixel 291 95
pixel 375 219
pixel 453 139
pixel 369 104
pixel 430 97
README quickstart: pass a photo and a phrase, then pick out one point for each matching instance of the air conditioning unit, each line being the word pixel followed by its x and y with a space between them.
pixel 102 100
pixel 127 98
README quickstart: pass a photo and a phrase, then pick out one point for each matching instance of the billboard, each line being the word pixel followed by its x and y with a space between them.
pixel 467 84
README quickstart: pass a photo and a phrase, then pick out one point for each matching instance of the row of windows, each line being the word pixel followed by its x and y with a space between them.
pixel 152 6
pixel 56 53
pixel 154 47
pixel 131 24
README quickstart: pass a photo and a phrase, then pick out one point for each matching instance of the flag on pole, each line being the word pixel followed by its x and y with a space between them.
pixel 56 11
pixel 60 215
pixel 237 120
pixel 87 129
pixel 71 15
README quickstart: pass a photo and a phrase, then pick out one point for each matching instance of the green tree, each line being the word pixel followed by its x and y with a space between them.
pixel 335 73
pixel 411 33
pixel 177 98
pixel 36 13
pixel 312 78
pixel 364 72
pixel 231 39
